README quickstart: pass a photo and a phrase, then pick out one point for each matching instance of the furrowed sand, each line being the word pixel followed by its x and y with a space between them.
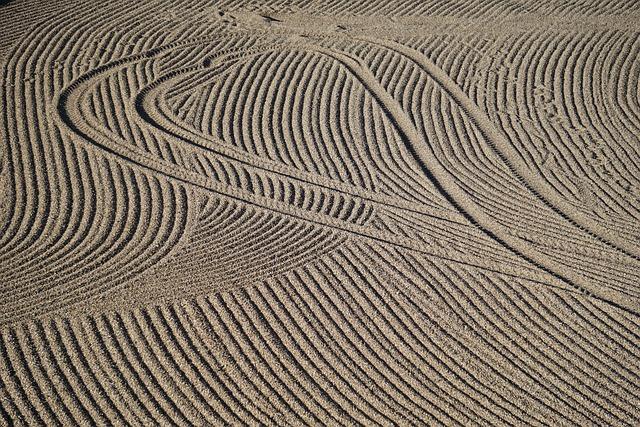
pixel 320 212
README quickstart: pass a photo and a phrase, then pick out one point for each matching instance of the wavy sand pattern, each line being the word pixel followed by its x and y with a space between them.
pixel 320 212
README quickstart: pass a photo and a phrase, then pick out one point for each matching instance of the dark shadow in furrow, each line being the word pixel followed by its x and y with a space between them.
pixel 186 351
pixel 518 248
pixel 389 343
pixel 549 198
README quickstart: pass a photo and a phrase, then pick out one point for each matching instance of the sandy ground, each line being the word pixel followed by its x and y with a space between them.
pixel 320 212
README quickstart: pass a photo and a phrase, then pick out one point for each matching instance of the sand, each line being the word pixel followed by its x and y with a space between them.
pixel 320 212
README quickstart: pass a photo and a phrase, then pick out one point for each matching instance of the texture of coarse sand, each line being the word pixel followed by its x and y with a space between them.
pixel 320 212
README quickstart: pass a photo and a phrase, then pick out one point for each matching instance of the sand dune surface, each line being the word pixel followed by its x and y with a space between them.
pixel 320 212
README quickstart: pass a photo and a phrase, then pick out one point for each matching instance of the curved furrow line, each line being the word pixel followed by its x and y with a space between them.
pixel 521 170
pixel 278 116
pixel 349 157
pixel 304 82
pixel 108 358
pixel 74 224
pixel 201 320
pixel 624 77
pixel 140 159
pixel 244 214
pixel 572 382
pixel 578 134
pixel 469 178
pixel 435 279
pixel 84 406
pixel 68 244
pixel 42 243
pixel 506 215
pixel 203 412
pixel 277 355
pixel 330 118
pixel 590 133
pixel 326 156
pixel 134 359
pixel 265 117
pixel 180 133
pixel 247 356
pixel 234 401
pixel 118 390
pixel 338 392
pixel 23 173
pixel 354 129
pixel 596 317
pixel 625 378
pixel 363 336
pixel 15 391
pixel 625 149
pixel 512 159
pixel 9 412
pixel 40 380
pixel 326 92
pixel 547 133
pixel 422 413
pixel 60 295
pixel 422 228
pixel 394 164
pixel 209 146
pixel 270 121
pixel 43 57
pixel 419 124
pixel 17 364
pixel 360 384
pixel 84 378
pixel 156 338
pixel 508 81
pixel 164 381
pixel 283 234
pixel 600 129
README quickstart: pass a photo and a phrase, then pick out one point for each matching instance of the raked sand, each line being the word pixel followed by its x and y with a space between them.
pixel 320 212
